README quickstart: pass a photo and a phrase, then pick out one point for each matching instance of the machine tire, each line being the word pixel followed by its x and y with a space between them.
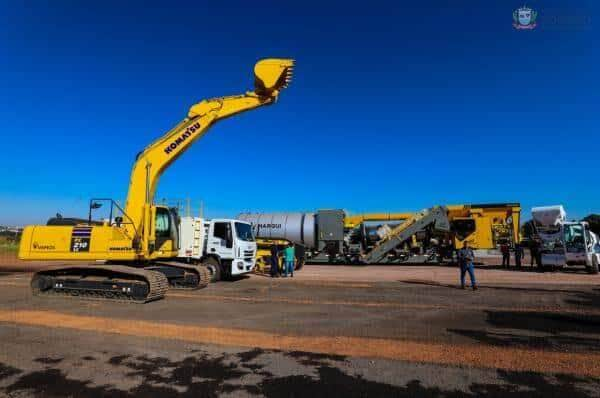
pixel 299 264
pixel 225 271
pixel 594 268
pixel 213 266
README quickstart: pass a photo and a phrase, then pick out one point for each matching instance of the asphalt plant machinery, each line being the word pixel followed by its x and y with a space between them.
pixel 327 236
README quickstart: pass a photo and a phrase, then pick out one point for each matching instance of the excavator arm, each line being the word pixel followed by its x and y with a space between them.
pixel 271 76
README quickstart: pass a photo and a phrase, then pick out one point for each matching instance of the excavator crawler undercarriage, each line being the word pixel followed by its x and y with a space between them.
pixel 101 282
pixel 183 276
pixel 119 282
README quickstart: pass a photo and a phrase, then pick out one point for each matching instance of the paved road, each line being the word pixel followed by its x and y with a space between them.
pixel 328 332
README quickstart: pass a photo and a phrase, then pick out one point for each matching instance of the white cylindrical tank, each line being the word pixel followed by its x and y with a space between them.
pixel 296 227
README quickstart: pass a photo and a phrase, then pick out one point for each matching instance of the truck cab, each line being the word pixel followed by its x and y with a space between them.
pixel 581 245
pixel 226 246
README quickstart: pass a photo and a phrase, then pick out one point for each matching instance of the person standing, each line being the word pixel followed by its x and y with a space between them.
pixel 289 260
pixel 536 254
pixel 505 250
pixel 518 254
pixel 465 260
pixel 274 261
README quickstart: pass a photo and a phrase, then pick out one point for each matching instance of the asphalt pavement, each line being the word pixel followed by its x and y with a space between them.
pixel 330 331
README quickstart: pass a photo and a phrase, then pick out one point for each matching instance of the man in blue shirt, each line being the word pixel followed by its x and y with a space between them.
pixel 289 260
pixel 465 260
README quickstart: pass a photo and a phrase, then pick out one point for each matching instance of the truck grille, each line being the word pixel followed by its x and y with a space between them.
pixel 249 256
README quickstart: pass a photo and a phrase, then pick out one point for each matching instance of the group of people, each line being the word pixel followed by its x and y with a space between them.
pixel 289 257
pixel 505 250
pixel 534 249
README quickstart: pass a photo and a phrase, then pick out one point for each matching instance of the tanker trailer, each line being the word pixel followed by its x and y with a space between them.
pixel 316 236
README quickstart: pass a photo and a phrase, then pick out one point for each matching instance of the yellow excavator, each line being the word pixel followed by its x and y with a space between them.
pixel 138 241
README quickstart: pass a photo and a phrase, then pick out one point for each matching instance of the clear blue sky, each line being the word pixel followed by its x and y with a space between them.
pixel 394 106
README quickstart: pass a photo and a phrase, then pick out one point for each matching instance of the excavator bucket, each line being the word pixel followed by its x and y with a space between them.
pixel 271 75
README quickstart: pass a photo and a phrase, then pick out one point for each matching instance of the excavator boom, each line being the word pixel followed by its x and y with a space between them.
pixel 270 77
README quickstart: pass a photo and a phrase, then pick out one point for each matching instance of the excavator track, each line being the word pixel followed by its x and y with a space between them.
pixel 101 282
pixel 183 276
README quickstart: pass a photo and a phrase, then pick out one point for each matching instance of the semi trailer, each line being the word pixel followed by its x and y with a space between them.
pixel 321 236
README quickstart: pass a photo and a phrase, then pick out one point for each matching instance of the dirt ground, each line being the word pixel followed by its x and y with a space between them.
pixel 377 331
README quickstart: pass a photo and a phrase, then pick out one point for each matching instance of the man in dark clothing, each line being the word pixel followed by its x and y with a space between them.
pixel 518 254
pixel 536 254
pixel 274 261
pixel 465 260
pixel 505 250
pixel 533 251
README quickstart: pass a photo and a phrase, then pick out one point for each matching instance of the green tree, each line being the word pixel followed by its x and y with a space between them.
pixel 594 221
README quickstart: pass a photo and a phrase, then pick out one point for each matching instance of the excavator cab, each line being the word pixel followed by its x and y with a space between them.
pixel 166 232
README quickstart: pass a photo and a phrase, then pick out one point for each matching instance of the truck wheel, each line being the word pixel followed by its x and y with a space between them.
pixel 214 268
pixel 299 264
pixel 594 268
pixel 226 271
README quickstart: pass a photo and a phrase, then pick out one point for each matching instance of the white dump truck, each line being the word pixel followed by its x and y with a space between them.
pixel 227 247
pixel 565 243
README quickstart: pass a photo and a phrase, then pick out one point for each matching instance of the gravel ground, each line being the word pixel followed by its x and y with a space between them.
pixel 329 331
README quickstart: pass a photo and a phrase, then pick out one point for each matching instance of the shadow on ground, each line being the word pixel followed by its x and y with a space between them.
pixel 527 289
pixel 588 299
pixel 200 375
pixel 554 327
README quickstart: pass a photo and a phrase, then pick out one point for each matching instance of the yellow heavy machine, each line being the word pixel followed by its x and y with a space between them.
pixel 485 226
pixel 134 239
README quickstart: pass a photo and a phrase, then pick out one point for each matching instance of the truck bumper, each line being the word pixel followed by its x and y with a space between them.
pixel 242 266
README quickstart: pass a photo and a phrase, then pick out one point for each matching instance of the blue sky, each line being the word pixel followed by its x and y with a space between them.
pixel 394 105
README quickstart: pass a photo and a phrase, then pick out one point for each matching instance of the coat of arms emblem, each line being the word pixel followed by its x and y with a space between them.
pixel 524 18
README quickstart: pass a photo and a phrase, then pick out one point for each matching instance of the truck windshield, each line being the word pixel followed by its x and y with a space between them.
pixel 244 231
pixel 574 240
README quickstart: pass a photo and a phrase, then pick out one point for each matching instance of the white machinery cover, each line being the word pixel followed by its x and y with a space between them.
pixel 549 216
